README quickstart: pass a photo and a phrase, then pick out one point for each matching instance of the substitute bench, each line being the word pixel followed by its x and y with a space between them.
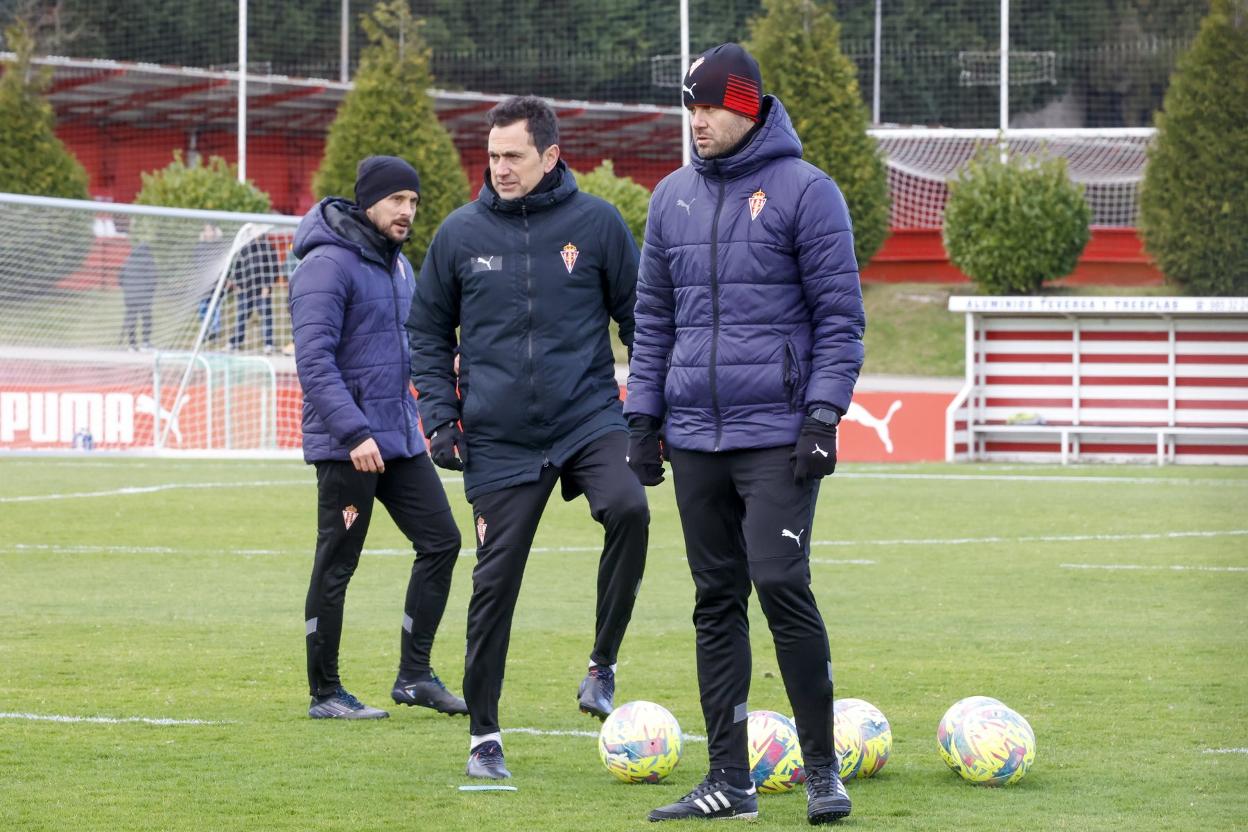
pixel 1060 379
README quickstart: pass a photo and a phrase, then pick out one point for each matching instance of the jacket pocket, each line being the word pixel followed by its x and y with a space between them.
pixel 462 387
pixel 792 375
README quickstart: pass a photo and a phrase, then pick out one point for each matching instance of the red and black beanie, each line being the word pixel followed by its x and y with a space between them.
pixel 726 76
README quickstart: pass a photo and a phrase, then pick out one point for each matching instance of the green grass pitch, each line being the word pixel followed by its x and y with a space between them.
pixel 1108 605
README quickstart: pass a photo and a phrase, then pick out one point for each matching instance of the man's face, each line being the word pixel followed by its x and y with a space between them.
pixel 716 130
pixel 393 214
pixel 515 165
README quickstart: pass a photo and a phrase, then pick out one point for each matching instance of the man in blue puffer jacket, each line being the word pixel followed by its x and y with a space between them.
pixel 748 344
pixel 349 299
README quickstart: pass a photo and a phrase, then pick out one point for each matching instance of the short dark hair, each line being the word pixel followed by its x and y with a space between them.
pixel 542 125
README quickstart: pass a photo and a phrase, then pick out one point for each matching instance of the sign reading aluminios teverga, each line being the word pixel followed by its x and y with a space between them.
pixel 1099 305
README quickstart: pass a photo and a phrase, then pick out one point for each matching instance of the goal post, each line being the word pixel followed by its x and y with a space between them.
pixel 141 329
pixel 1108 162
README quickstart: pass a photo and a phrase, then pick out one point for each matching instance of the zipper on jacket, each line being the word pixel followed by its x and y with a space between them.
pixel 528 276
pixel 719 422
pixel 396 274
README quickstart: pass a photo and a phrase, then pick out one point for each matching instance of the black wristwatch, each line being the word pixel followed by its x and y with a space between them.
pixel 826 416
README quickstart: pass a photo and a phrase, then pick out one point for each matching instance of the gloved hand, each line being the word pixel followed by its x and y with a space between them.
pixel 447 447
pixel 645 449
pixel 814 455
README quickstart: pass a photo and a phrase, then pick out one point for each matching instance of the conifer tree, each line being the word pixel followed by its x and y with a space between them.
pixel 389 113
pixel 32 159
pixel 797 46
pixel 1194 202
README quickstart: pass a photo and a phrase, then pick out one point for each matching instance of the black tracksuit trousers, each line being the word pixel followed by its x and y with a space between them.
pixel 745 522
pixel 412 493
pixel 506 522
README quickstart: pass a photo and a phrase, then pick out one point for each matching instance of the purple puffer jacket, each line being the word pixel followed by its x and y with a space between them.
pixel 349 299
pixel 749 310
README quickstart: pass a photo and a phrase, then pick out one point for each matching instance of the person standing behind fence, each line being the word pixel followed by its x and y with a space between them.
pixel 748 346
pixel 527 279
pixel 138 288
pixel 206 260
pixel 253 273
pixel 349 299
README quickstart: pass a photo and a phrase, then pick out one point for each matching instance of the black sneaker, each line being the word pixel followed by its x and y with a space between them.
pixel 427 693
pixel 826 798
pixel 486 761
pixel 712 799
pixel 596 695
pixel 342 705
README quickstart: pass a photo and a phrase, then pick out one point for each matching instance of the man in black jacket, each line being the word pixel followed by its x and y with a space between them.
pixel 531 273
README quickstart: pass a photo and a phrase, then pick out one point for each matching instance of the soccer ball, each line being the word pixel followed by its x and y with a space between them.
pixel 988 743
pixel 640 742
pixel 947 728
pixel 775 754
pixel 869 737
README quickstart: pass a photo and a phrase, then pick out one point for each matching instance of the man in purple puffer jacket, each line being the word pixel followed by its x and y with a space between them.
pixel 349 299
pixel 747 348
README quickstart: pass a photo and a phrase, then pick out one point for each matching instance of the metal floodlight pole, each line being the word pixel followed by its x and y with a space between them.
pixel 344 48
pixel 684 66
pixel 875 80
pixel 242 90
pixel 1005 66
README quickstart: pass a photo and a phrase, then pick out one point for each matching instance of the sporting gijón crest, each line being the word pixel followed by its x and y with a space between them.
pixel 348 515
pixel 569 255
pixel 757 200
pixel 481 527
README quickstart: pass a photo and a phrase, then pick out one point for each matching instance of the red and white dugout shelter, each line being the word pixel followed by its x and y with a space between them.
pixel 1102 378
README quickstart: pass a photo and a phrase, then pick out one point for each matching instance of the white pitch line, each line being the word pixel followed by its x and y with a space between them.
pixel 108 720
pixel 1060 478
pixel 1225 751
pixel 90 550
pixel 450 480
pixel 1047 538
pixel 845 562
pixel 134 490
pixel 1133 566
pixel 948 541
pixel 148 489
pixel 540 732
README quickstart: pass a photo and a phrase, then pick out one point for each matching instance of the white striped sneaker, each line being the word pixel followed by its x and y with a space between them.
pixel 713 800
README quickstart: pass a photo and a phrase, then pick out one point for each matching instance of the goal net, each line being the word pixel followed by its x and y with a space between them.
pixel 1109 163
pixel 130 328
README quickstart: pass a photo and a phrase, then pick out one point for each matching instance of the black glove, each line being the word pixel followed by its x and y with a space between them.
pixel 645 449
pixel 447 447
pixel 814 455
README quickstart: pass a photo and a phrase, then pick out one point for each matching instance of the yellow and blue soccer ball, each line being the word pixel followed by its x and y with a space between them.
pixel 640 742
pixel 775 753
pixel 868 738
pixel 947 727
pixel 986 742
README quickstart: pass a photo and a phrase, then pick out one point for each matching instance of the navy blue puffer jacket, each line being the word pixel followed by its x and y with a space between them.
pixel 349 299
pixel 749 308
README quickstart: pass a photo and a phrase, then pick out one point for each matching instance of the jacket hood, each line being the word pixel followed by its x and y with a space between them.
pixel 336 221
pixel 535 200
pixel 775 138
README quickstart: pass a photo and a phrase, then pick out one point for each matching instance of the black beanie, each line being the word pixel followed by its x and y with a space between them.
pixel 379 176
pixel 726 76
